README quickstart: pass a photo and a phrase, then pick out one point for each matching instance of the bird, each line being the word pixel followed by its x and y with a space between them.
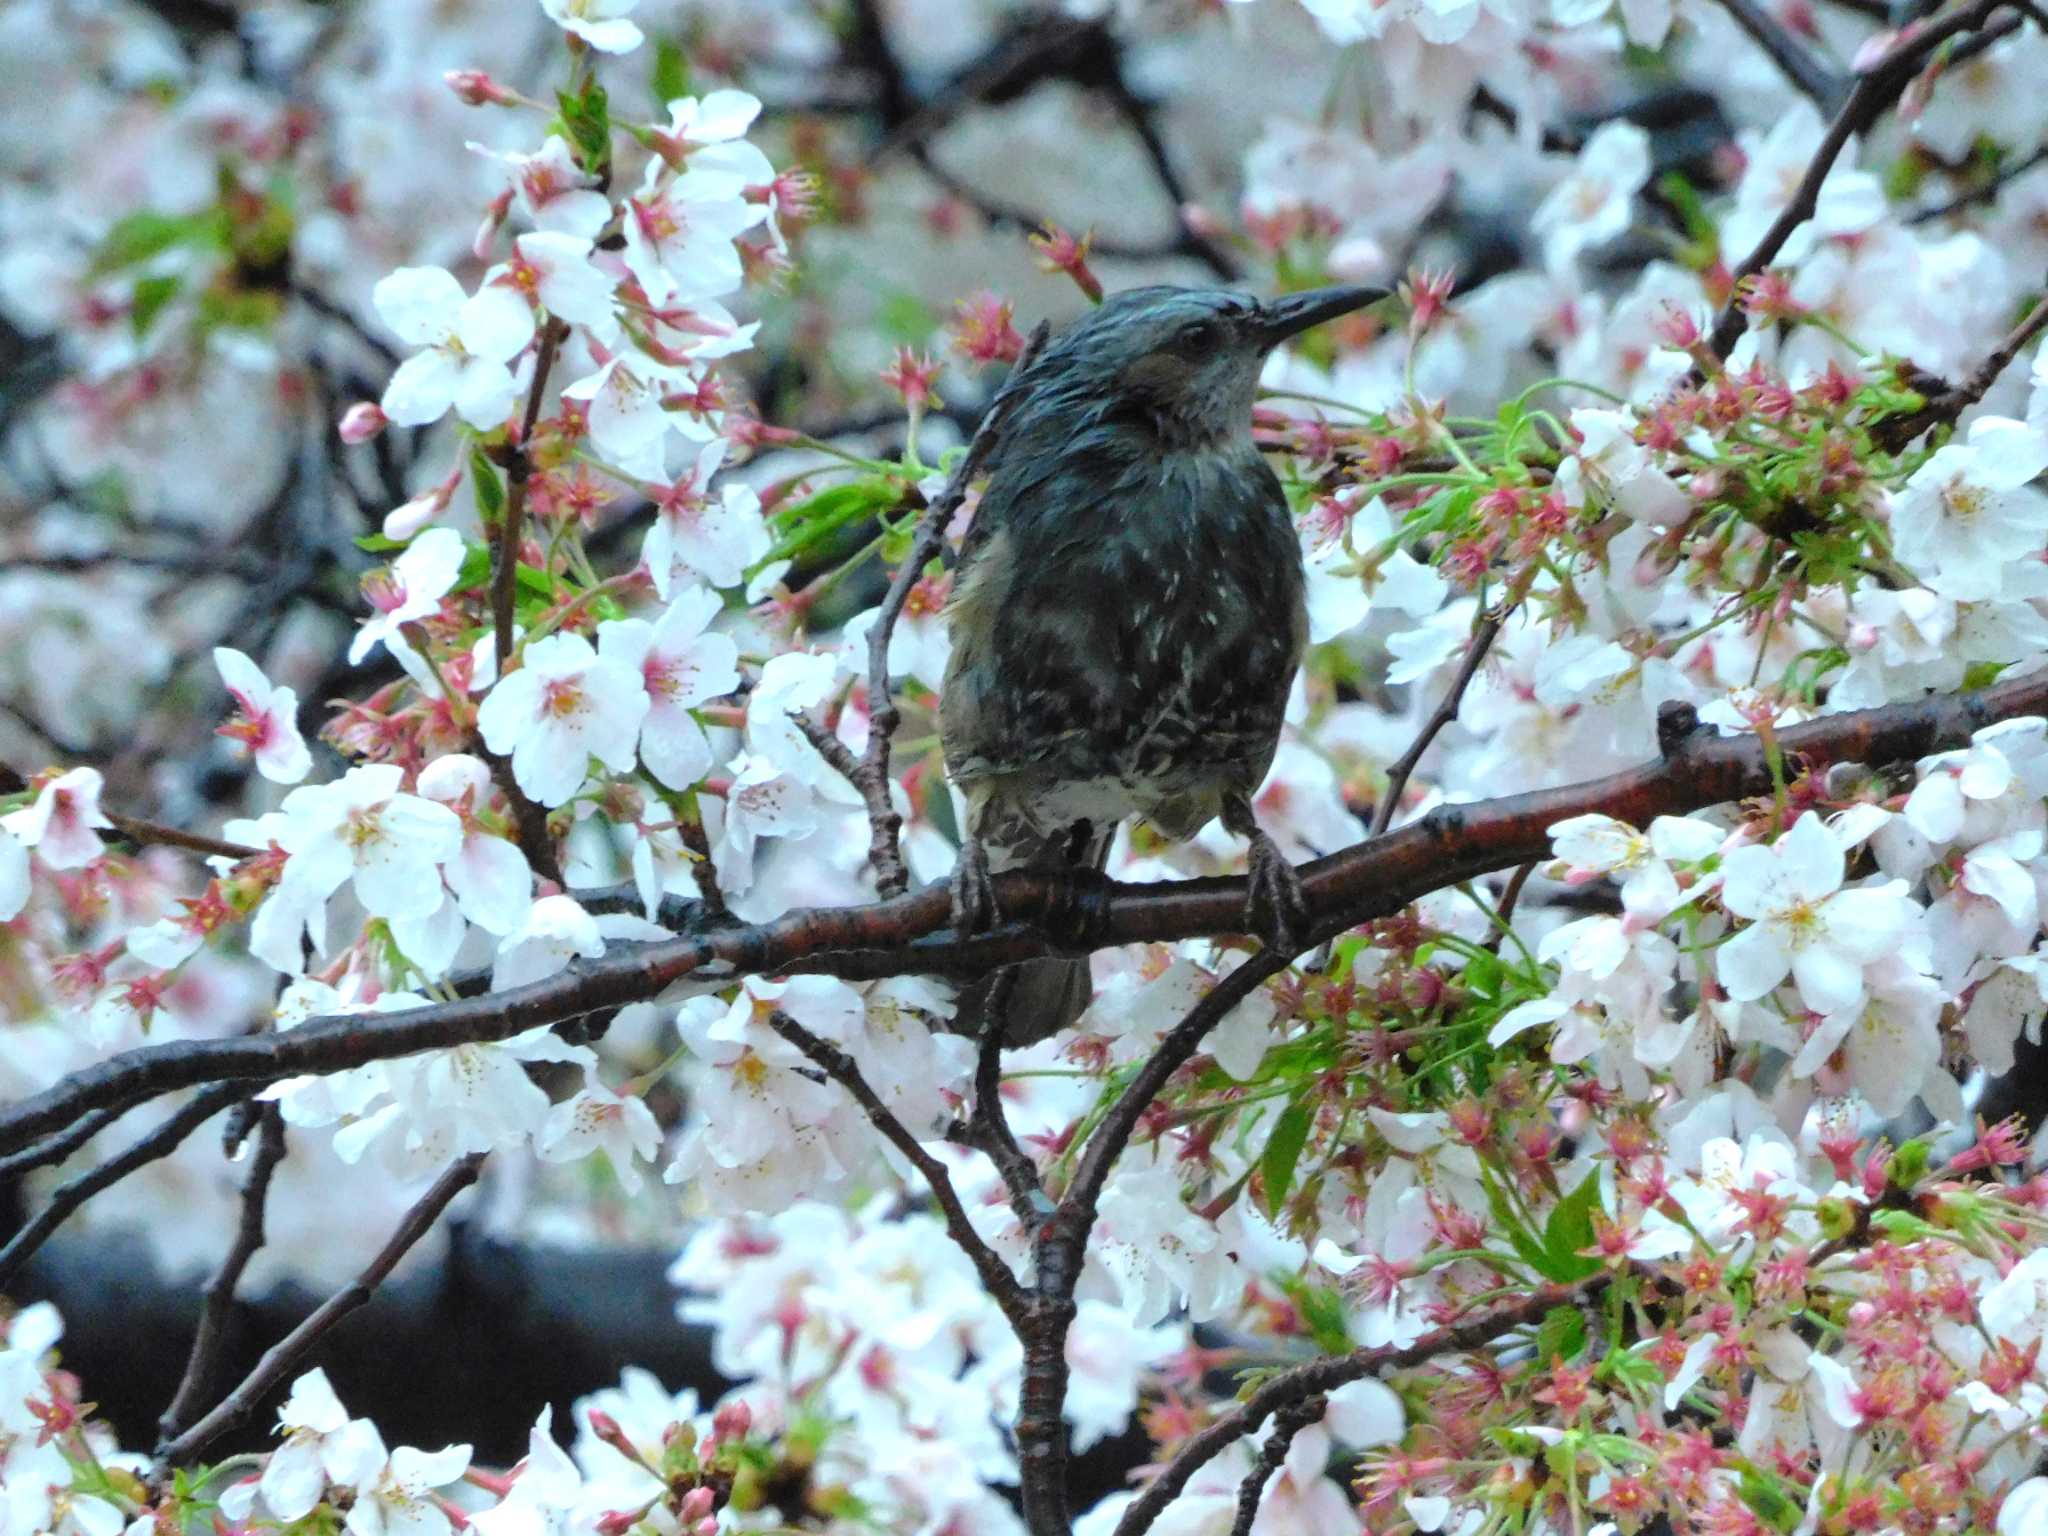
pixel 1126 616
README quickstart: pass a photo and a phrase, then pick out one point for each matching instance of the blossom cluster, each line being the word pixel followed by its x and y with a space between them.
pixel 1705 1085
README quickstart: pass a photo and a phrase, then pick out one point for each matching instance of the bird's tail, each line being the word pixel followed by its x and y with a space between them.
pixel 1048 996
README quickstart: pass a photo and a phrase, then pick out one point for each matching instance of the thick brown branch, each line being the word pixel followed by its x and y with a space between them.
pixel 1320 1376
pixel 907 934
pixel 284 1356
pixel 218 1299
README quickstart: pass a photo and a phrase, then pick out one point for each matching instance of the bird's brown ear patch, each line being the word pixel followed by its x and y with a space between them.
pixel 1158 374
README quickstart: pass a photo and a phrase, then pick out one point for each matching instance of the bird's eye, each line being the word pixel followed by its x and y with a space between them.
pixel 1200 336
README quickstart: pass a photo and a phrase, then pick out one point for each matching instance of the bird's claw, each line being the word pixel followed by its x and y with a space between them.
pixel 974 892
pixel 1276 910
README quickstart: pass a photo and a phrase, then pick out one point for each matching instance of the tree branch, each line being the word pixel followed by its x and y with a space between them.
pixel 531 820
pixel 996 1277
pixel 282 1357
pixel 1320 1376
pixel 871 775
pixel 218 1299
pixel 1814 79
pixel 1873 94
pixel 1446 711
pixel 161 1142
pixel 1944 407
pixel 142 833
pixel 1287 1423
pixel 907 935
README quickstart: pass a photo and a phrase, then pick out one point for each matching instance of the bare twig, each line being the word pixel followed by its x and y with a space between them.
pixel 992 1128
pixel 1287 1423
pixel 1321 1376
pixel 1876 89
pixel 871 775
pixel 531 820
pixel 1814 79
pixel 139 831
pixel 219 1296
pixel 284 1356
pixel 1984 192
pixel 1943 407
pixel 59 1146
pixel 907 935
pixel 996 1277
pixel 159 1143
pixel 1446 711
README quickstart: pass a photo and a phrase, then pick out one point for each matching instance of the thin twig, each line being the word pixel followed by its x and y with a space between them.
pixel 141 832
pixel 531 820
pixel 1944 407
pixel 1287 1423
pixel 909 935
pixel 1446 711
pixel 284 1356
pixel 992 1127
pixel 159 1143
pixel 996 1277
pixel 218 1299
pixel 871 775
pixel 59 1146
pixel 1985 192
pixel 1876 89
pixel 1814 79
pixel 1320 1376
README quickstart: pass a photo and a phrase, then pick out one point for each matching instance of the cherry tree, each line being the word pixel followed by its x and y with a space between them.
pixel 1626 1143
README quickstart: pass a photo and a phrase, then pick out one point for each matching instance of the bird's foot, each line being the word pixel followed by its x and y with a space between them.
pixel 974 892
pixel 1277 908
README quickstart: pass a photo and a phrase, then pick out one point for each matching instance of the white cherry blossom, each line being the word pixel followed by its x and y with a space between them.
pixel 564 705
pixel 469 340
pixel 269 722
pixel 681 664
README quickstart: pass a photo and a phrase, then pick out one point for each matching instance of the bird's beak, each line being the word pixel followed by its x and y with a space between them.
pixel 1296 312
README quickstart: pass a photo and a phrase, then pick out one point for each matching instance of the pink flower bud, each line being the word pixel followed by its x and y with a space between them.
pixel 696 1505
pixel 708 1526
pixel 363 421
pixel 733 1421
pixel 475 88
pixel 606 1428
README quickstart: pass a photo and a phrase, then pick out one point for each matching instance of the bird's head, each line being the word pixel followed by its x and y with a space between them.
pixel 1186 361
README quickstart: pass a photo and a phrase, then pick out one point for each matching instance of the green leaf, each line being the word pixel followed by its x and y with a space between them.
pixel 377 544
pixel 813 520
pixel 143 234
pixel 671 71
pixel 1561 1335
pixel 1283 1153
pixel 1768 1501
pixel 150 297
pixel 1569 1229
pixel 588 121
pixel 490 488
pixel 1519 1237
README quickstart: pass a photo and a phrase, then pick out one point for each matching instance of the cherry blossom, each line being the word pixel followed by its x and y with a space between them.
pixel 1803 922
pixel 363 830
pixel 60 823
pixel 411 589
pixel 681 665
pixel 600 23
pixel 553 190
pixel 469 340
pixel 563 706
pixel 1971 510
pixel 269 721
